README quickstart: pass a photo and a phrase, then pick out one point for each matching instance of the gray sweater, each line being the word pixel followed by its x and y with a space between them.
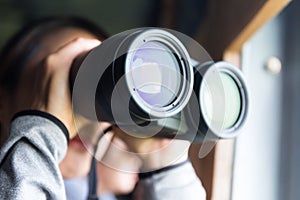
pixel 38 142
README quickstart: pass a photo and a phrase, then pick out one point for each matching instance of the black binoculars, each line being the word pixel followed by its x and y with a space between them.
pixel 157 82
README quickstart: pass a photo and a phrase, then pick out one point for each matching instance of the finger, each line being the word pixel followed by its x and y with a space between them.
pixel 59 63
pixel 104 145
pixel 68 52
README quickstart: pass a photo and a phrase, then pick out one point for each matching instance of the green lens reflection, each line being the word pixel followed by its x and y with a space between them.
pixel 230 99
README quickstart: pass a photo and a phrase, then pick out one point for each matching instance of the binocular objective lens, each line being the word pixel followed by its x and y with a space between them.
pixel 155 73
pixel 232 101
pixel 229 100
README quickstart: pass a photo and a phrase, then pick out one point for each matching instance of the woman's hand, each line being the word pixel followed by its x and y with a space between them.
pixel 46 87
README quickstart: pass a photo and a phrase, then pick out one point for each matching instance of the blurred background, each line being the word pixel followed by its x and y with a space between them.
pixel 114 15
pixel 261 37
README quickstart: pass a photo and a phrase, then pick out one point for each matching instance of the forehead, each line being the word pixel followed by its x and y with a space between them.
pixel 56 40
pixel 61 37
pixel 33 48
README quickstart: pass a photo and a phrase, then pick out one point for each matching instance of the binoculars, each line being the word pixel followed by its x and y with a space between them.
pixel 157 82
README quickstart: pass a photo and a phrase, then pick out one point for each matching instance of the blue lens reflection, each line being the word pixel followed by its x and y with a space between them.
pixel 156 74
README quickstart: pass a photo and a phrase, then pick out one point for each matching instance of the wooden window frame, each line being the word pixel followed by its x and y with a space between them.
pixel 223 33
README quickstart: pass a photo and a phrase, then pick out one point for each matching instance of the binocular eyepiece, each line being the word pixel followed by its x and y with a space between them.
pixel 156 82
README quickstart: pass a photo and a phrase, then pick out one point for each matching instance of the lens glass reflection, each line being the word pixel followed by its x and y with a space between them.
pixel 229 99
pixel 156 74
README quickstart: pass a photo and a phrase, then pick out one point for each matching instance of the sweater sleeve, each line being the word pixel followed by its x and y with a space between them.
pixel 29 159
pixel 171 183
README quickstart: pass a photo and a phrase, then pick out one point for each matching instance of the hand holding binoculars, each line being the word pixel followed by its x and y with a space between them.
pixel 157 82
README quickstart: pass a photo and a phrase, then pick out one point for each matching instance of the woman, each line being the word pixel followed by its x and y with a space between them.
pixel 36 114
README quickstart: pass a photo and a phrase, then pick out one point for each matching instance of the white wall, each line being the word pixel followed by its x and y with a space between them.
pixel 256 164
pixel 267 154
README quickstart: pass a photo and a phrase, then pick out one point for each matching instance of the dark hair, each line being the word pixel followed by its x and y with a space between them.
pixel 25 43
